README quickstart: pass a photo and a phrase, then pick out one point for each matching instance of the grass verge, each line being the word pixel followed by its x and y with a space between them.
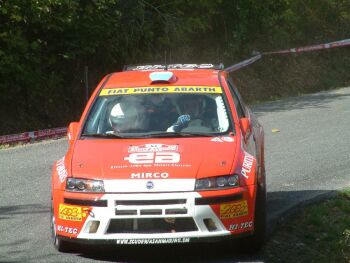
pixel 319 233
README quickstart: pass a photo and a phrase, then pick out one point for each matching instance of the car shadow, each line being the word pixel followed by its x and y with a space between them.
pixel 280 205
pixel 7 212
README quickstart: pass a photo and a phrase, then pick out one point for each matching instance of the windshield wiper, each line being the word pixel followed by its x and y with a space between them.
pixel 178 134
pixel 102 135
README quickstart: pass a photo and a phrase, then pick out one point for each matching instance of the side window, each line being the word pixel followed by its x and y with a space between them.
pixel 96 116
pixel 236 100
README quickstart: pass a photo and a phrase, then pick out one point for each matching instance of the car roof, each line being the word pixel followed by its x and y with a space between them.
pixel 198 77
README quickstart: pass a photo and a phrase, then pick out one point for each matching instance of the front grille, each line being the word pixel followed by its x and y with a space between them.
pixel 175 211
pixel 160 207
pixel 151 202
pixel 151 225
pixel 125 212
pixel 143 212
pixel 151 212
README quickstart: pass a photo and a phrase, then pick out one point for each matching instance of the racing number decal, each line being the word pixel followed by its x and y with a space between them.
pixel 232 210
pixel 71 213
pixel 153 157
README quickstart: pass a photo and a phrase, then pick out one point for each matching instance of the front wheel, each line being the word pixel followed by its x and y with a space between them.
pixel 255 242
pixel 60 245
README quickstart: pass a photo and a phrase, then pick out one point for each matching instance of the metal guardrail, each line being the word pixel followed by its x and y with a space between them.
pixel 33 135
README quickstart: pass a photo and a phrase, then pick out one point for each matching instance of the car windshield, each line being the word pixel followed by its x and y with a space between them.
pixel 124 112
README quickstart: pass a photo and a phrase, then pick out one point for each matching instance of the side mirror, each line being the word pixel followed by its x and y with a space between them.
pixel 245 127
pixel 72 131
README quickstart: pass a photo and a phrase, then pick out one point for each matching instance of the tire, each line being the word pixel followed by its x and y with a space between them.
pixel 255 242
pixel 60 245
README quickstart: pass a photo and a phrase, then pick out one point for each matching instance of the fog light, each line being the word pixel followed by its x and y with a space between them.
pixel 209 223
pixel 91 227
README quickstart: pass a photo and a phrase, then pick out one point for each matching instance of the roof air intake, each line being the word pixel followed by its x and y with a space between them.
pixel 162 77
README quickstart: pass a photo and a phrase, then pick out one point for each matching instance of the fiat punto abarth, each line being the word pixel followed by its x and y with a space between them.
pixel 161 155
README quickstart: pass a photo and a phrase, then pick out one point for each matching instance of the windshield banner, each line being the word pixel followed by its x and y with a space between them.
pixel 164 89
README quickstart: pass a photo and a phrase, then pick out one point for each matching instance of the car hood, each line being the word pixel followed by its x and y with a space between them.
pixel 175 162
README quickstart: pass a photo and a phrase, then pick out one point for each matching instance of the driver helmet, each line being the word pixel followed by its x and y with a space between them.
pixel 126 116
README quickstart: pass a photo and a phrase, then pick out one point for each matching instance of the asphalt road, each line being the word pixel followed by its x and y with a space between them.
pixel 308 157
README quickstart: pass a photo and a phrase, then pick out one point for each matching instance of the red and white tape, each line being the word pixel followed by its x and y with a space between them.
pixel 33 135
pixel 258 55
pixel 341 43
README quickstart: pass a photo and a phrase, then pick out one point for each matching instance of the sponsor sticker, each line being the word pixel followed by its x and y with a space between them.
pixel 156 147
pixel 71 213
pixel 61 170
pixel 149 175
pixel 152 155
pixel 247 164
pixel 227 139
pixel 152 241
pixel 66 229
pixel 233 210
pixel 172 66
pixel 242 225
pixel 164 89
pixel 216 139
pixel 222 139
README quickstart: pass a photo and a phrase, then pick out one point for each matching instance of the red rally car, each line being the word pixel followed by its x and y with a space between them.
pixel 161 155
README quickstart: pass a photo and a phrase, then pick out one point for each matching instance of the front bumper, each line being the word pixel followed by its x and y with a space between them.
pixel 155 241
pixel 155 218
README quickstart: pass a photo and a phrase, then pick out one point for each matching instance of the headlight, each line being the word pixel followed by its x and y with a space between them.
pixel 217 182
pixel 84 185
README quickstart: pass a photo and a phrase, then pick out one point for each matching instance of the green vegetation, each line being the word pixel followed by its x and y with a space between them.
pixel 320 233
pixel 45 45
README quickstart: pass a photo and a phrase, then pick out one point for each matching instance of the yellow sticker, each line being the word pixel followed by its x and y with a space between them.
pixel 71 213
pixel 164 89
pixel 232 210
